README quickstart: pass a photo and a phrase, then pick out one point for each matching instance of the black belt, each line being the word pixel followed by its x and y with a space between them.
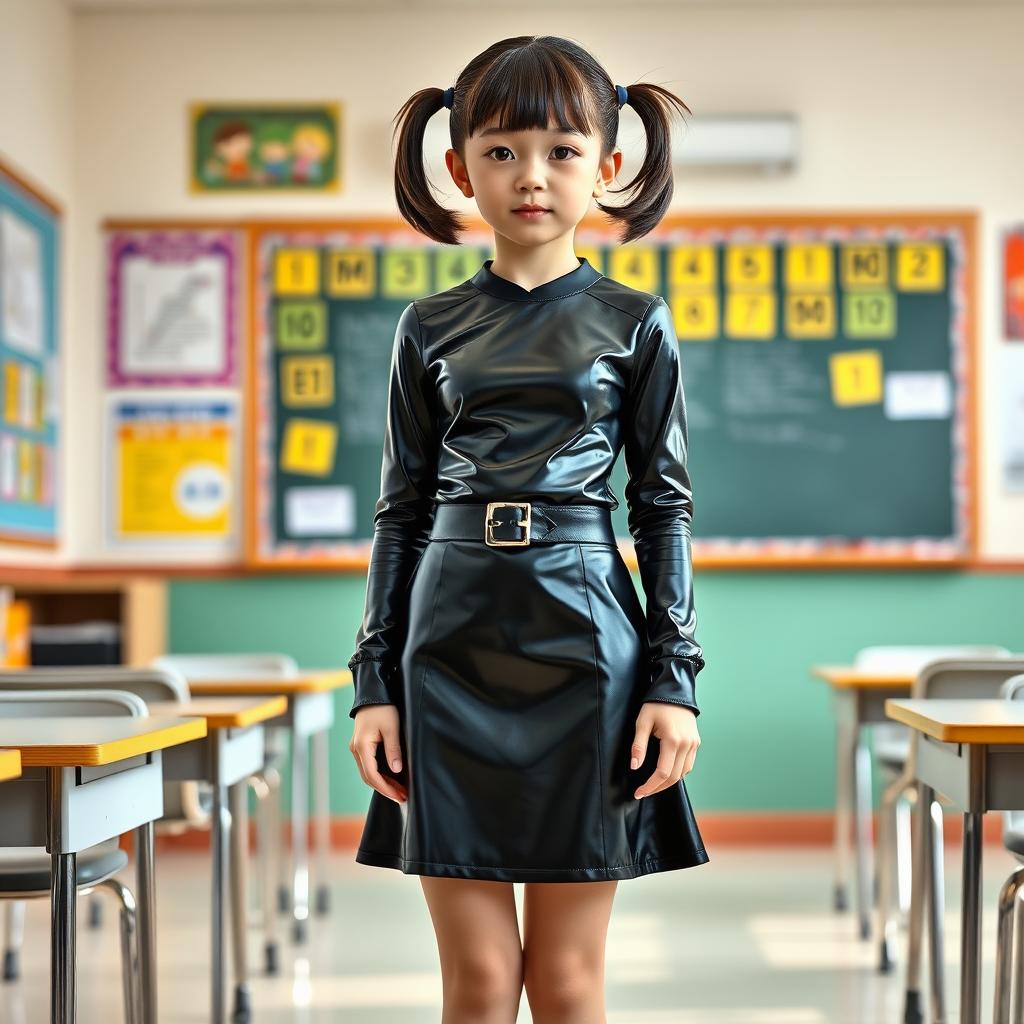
pixel 520 523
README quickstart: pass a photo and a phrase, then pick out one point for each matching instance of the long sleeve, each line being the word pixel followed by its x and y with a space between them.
pixel 660 507
pixel 402 519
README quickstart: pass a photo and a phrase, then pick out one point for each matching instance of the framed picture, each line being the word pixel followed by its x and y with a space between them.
pixel 173 306
pixel 268 147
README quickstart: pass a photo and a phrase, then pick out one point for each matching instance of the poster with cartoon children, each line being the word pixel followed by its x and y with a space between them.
pixel 265 147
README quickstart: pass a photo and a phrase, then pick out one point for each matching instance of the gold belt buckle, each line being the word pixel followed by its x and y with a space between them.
pixel 490 523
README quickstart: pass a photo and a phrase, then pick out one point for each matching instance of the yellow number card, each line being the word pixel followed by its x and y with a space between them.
pixel 869 314
pixel 695 317
pixel 856 377
pixel 749 266
pixel 864 266
pixel 920 267
pixel 453 265
pixel 810 315
pixel 301 325
pixel 635 267
pixel 351 273
pixel 297 272
pixel 592 255
pixel 406 273
pixel 750 315
pixel 307 381
pixel 692 266
pixel 308 447
pixel 808 267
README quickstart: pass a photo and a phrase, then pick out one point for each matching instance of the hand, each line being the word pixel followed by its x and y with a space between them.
pixel 676 727
pixel 376 724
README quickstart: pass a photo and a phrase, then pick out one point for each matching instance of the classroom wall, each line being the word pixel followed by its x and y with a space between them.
pixel 36 112
pixel 900 106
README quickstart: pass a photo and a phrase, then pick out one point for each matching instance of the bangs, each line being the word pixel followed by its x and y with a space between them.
pixel 532 87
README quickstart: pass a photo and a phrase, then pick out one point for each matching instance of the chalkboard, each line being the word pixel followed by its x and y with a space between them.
pixel 826 363
pixel 30 240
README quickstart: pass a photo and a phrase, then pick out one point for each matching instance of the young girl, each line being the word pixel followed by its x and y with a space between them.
pixel 518 714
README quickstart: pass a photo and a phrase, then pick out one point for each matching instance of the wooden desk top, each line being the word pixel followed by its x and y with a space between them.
pixel 312 681
pixel 989 720
pixel 79 742
pixel 224 712
pixel 10 765
pixel 848 677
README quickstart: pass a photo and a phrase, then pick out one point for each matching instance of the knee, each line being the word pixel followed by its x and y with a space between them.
pixel 557 985
pixel 482 980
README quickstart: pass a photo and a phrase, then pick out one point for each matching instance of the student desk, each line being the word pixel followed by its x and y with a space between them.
pixel 84 781
pixel 310 713
pixel 225 757
pixel 971 751
pixel 858 699
pixel 10 765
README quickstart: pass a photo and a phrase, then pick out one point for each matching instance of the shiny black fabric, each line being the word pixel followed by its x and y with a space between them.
pixel 518 673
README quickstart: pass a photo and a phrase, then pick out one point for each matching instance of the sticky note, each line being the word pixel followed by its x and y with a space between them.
pixel 454 264
pixel 405 273
pixel 301 325
pixel 864 265
pixel 810 315
pixel 352 273
pixel 692 266
pixel 808 266
pixel 635 266
pixel 869 314
pixel 695 316
pixel 856 377
pixel 308 447
pixel 750 315
pixel 592 255
pixel 307 381
pixel 920 267
pixel 12 392
pixel 749 266
pixel 296 272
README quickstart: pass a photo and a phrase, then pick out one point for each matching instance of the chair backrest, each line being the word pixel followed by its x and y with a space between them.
pixel 965 678
pixel 81 703
pixel 226 666
pixel 1013 689
pixel 150 684
pixel 913 657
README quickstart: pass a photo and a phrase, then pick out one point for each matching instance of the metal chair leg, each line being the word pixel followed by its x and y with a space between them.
pixel 1007 954
pixel 321 796
pixel 903 860
pixel 888 869
pixel 271 839
pixel 843 814
pixel 14 923
pixel 863 840
pixel 130 968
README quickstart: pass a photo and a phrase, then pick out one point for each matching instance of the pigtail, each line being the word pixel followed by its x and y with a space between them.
pixel 412 187
pixel 653 182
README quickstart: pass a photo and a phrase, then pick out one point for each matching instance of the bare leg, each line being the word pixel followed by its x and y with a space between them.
pixel 565 927
pixel 479 947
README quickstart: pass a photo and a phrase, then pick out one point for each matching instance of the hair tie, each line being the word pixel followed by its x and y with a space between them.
pixel 620 91
pixel 449 97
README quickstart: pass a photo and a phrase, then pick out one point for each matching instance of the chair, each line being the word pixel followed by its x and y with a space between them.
pixel 25 870
pixel 890 744
pixel 266 784
pixel 943 679
pixel 1010 927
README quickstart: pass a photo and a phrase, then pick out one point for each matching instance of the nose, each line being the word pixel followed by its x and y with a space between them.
pixel 531 177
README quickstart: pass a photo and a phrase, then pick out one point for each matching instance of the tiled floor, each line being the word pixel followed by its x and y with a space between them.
pixel 745 939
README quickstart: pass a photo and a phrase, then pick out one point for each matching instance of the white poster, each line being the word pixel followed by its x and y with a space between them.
pixel 21 285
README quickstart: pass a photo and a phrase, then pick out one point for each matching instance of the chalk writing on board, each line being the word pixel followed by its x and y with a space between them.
pixel 364 340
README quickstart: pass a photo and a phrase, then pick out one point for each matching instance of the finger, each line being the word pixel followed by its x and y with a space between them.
pixel 662 772
pixel 393 750
pixel 372 775
pixel 691 756
pixel 638 751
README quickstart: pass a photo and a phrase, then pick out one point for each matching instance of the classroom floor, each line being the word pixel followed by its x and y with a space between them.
pixel 746 939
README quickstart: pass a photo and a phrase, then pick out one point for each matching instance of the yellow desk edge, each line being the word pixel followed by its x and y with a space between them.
pixel 852 678
pixel 10 764
pixel 304 682
pixel 953 733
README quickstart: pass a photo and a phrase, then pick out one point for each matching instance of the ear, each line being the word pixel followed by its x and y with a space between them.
pixel 457 169
pixel 607 171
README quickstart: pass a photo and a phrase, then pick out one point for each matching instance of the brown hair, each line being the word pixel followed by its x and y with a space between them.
pixel 522 81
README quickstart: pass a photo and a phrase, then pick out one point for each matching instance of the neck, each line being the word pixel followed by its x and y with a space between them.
pixel 532 265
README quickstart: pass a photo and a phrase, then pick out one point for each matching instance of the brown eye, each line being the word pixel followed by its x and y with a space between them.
pixel 499 149
pixel 568 149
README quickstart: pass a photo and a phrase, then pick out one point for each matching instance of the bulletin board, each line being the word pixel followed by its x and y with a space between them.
pixel 30 243
pixel 827 363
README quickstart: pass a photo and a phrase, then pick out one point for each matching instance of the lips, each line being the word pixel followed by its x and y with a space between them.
pixel 531 209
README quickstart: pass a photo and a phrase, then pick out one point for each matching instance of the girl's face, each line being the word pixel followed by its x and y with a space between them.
pixel 560 171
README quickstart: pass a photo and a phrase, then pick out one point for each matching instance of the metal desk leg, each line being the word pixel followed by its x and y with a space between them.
pixel 221 834
pixel 920 841
pixel 145 912
pixel 844 759
pixel 238 797
pixel 321 789
pixel 63 892
pixel 970 930
pixel 300 843
pixel 863 839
